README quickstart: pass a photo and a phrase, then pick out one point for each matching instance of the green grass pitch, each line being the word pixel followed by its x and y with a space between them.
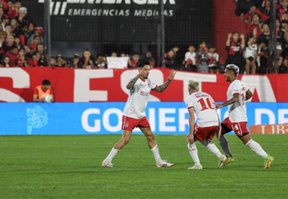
pixel 69 167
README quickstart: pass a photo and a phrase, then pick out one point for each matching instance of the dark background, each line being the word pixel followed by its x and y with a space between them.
pixel 191 23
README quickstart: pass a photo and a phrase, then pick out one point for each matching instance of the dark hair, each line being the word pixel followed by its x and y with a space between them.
pixel 46 82
pixel 142 62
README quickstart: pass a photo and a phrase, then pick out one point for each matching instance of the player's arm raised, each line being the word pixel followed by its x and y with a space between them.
pixel 131 83
pixel 162 87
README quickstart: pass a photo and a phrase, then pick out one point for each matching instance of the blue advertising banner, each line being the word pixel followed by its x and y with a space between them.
pixel 106 117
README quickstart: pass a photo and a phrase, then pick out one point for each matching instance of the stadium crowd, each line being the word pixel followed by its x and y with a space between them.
pixel 21 44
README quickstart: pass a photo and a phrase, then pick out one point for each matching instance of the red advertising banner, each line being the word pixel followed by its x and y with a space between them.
pixel 82 85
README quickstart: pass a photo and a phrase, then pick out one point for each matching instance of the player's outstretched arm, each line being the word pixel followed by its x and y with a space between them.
pixel 234 99
pixel 131 83
pixel 162 87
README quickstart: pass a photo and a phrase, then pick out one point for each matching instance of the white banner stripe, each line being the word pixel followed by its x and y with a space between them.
pixel 63 9
pixel 57 8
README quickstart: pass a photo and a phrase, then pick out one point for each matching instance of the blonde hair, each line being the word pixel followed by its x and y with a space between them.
pixel 194 85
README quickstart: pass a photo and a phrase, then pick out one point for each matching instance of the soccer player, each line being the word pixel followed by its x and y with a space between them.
pixel 202 105
pixel 44 92
pixel 134 116
pixel 237 94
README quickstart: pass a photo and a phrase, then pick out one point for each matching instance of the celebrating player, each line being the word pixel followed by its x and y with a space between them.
pixel 202 104
pixel 134 116
pixel 237 94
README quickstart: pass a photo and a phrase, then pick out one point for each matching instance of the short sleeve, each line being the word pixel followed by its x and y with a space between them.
pixel 189 102
pixel 245 87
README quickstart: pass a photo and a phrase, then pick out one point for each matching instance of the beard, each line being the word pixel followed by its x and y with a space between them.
pixel 228 79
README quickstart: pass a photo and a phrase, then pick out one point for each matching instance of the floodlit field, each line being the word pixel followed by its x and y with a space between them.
pixel 69 167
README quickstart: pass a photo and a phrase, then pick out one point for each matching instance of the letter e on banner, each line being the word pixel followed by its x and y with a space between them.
pixel 82 92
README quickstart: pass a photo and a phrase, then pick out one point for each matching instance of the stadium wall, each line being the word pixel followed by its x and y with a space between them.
pixel 82 85
pixel 105 117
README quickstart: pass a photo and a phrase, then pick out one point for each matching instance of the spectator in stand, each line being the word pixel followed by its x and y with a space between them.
pixel 150 59
pixel 284 44
pixel 76 61
pixel 36 38
pixel 235 45
pixel 265 35
pixel 34 61
pixel 87 60
pixel 21 59
pixel 15 29
pixel 113 54
pixel 12 54
pixel 254 27
pixel 263 59
pixel 172 59
pixel 42 60
pixel 213 60
pixel 243 6
pixel 5 62
pixel 22 17
pixel 283 68
pixel 284 17
pixel 60 61
pixel 123 55
pixel 202 57
pixel 283 30
pixel 28 52
pixel 169 59
pixel 252 11
pixel 101 61
pixel 2 40
pixel 40 50
pixel 177 59
pixel 3 3
pixel 34 43
pixel 29 30
pixel 52 62
pixel 250 55
pixel 8 28
pixel 8 44
pixel 282 7
pixel 13 9
pixel 266 8
pixel 2 14
pixel 190 59
pixel 133 61
pixel 17 42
